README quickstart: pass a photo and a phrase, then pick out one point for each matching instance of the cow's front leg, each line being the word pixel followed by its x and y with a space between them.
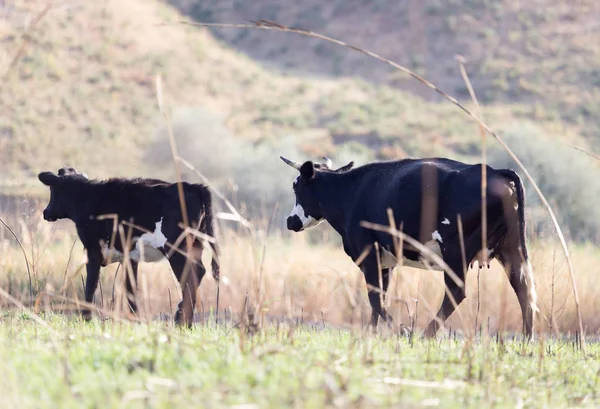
pixel 94 262
pixel 376 292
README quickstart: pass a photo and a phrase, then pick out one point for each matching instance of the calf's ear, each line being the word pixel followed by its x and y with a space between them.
pixel 48 178
pixel 307 170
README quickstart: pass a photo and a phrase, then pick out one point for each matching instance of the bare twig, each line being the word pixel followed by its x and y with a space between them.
pixel 24 255
pixel 18 303
pixel 593 155
pixel 484 256
pixel 234 215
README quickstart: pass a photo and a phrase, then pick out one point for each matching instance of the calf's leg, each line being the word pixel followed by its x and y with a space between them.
pixel 189 274
pixel 131 286
pixel 91 281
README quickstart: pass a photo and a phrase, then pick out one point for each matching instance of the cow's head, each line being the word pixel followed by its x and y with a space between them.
pixel 307 210
pixel 62 199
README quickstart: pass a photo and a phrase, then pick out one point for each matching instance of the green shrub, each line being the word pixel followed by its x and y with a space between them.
pixel 249 173
pixel 569 179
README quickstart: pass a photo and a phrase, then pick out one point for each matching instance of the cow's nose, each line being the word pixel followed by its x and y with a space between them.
pixel 45 214
pixel 294 223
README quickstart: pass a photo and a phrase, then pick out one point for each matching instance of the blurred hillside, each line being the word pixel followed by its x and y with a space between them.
pixel 84 91
pixel 542 54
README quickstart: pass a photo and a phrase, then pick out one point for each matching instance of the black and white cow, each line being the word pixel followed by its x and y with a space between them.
pixel 426 197
pixel 153 206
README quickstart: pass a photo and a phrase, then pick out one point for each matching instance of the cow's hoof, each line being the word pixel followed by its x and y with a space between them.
pixel 86 315
pixel 403 331
pixel 182 321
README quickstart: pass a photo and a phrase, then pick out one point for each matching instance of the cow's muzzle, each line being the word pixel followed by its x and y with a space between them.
pixel 49 216
pixel 294 223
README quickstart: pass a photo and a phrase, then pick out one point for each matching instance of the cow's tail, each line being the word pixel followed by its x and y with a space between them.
pixel 207 226
pixel 526 274
pixel 520 192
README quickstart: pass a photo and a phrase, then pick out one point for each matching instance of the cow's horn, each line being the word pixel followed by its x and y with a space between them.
pixel 328 163
pixel 293 164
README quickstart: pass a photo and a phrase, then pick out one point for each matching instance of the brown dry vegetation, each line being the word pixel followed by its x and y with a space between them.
pixel 302 281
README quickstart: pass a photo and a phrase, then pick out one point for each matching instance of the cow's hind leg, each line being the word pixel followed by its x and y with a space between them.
pixel 189 274
pixel 454 294
pixel 520 276
pixel 131 284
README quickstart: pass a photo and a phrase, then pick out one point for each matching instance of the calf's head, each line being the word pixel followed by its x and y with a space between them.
pixel 62 192
pixel 307 211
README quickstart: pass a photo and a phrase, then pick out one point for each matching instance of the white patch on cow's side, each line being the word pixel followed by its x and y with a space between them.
pixel 307 221
pixel 147 247
pixel 437 236
pixel 445 221
pixel 388 260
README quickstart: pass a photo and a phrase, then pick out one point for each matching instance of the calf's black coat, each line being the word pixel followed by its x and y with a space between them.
pixel 148 204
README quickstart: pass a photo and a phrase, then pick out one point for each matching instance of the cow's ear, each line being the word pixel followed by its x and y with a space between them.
pixel 49 178
pixel 346 168
pixel 307 170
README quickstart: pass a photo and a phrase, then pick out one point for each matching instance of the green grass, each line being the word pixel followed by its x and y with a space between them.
pixel 104 364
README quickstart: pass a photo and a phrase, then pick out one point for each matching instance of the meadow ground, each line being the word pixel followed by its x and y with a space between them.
pixel 67 363
pixel 60 361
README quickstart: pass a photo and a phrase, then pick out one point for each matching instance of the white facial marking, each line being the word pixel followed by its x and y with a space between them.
pixel 146 247
pixel 445 221
pixel 307 221
pixel 437 236
pixel 296 180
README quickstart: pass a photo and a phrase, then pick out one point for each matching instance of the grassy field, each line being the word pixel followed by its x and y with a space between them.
pixel 69 364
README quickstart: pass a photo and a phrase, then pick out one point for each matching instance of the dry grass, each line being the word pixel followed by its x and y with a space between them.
pixel 303 281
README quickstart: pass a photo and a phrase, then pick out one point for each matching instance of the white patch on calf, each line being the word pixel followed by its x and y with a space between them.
pixel 445 221
pixel 307 221
pixel 437 236
pixel 146 247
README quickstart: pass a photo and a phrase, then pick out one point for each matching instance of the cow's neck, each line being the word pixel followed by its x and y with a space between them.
pixel 339 190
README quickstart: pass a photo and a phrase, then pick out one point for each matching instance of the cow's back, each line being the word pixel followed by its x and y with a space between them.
pixel 411 187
